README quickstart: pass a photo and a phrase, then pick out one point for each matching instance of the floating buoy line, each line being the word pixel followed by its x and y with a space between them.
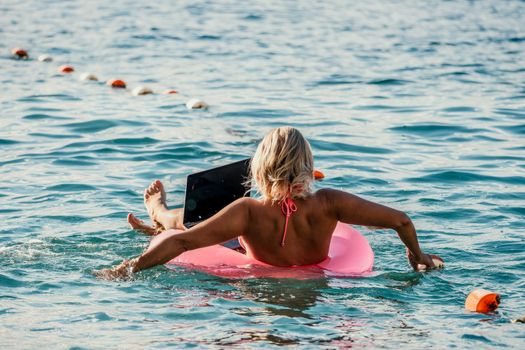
pixel 193 103
pixel 22 54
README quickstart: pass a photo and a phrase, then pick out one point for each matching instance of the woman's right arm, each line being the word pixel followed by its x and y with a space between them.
pixel 354 210
pixel 227 224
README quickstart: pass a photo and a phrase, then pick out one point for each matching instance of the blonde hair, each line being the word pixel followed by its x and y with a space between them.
pixel 283 165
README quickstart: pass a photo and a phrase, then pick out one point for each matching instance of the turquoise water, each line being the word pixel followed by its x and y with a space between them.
pixel 417 105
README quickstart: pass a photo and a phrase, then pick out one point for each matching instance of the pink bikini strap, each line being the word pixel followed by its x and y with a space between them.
pixel 288 207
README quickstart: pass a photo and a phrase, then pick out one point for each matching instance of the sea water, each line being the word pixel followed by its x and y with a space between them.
pixel 415 105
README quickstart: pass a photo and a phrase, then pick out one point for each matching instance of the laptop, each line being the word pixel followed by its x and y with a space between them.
pixel 207 192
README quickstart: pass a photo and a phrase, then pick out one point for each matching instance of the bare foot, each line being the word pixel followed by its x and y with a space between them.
pixel 155 202
pixel 139 225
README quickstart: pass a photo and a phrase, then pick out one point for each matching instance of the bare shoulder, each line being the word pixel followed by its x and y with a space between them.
pixel 329 194
pixel 333 200
pixel 325 192
pixel 324 199
pixel 247 203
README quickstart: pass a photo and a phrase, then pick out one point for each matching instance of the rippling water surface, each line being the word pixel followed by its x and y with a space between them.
pixel 417 105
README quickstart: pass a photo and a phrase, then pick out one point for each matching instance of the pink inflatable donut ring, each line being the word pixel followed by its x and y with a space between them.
pixel 350 255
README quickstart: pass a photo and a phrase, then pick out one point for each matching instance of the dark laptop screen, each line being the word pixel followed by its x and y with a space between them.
pixel 207 192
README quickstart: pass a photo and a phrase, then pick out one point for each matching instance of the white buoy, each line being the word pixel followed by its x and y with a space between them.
pixel 195 103
pixel 45 58
pixel 141 90
pixel 88 76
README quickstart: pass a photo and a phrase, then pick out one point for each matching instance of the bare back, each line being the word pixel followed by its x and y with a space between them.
pixel 308 235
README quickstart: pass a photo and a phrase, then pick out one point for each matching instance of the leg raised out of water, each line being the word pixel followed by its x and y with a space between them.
pixel 141 226
pixel 161 216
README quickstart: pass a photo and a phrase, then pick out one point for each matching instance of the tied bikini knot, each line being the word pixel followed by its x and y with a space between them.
pixel 288 207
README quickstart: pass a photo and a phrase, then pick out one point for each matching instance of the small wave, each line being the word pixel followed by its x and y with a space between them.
pixel 452 176
pixel 171 37
pixel 138 141
pixel 6 142
pixel 436 130
pixel 10 282
pixel 373 181
pixel 43 98
pixel 93 317
pixel 73 162
pixel 71 219
pixel 237 132
pixel 480 339
pixel 492 158
pixel 180 153
pixel 144 37
pixel 388 82
pixel 411 277
pixel 41 116
pixel 180 106
pixel 259 113
pixel 53 136
pixel 459 109
pixel 392 109
pixel 488 138
pixel 342 147
pixel 462 65
pixel 518 113
pixel 8 211
pixel 44 286
pixel 455 73
pixel 94 126
pixel 517 39
pixel 253 17
pixel 519 211
pixel 44 329
pixel 124 45
pixel 338 79
pixel 458 214
pixel 336 82
pixel 209 37
pixel 149 81
pixel 43 109
pixel 515 129
pixel 70 188
pixel 512 247
pixel 12 161
pixel 373 107
pixel 510 98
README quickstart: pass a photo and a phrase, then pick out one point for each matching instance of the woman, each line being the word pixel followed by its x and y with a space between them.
pixel 288 226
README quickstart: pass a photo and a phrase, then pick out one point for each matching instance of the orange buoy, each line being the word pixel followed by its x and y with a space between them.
pixel 318 175
pixel 480 300
pixel 171 92
pixel 19 53
pixel 66 69
pixel 116 83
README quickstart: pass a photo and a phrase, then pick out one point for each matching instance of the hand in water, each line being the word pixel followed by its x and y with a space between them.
pixel 121 271
pixel 426 262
